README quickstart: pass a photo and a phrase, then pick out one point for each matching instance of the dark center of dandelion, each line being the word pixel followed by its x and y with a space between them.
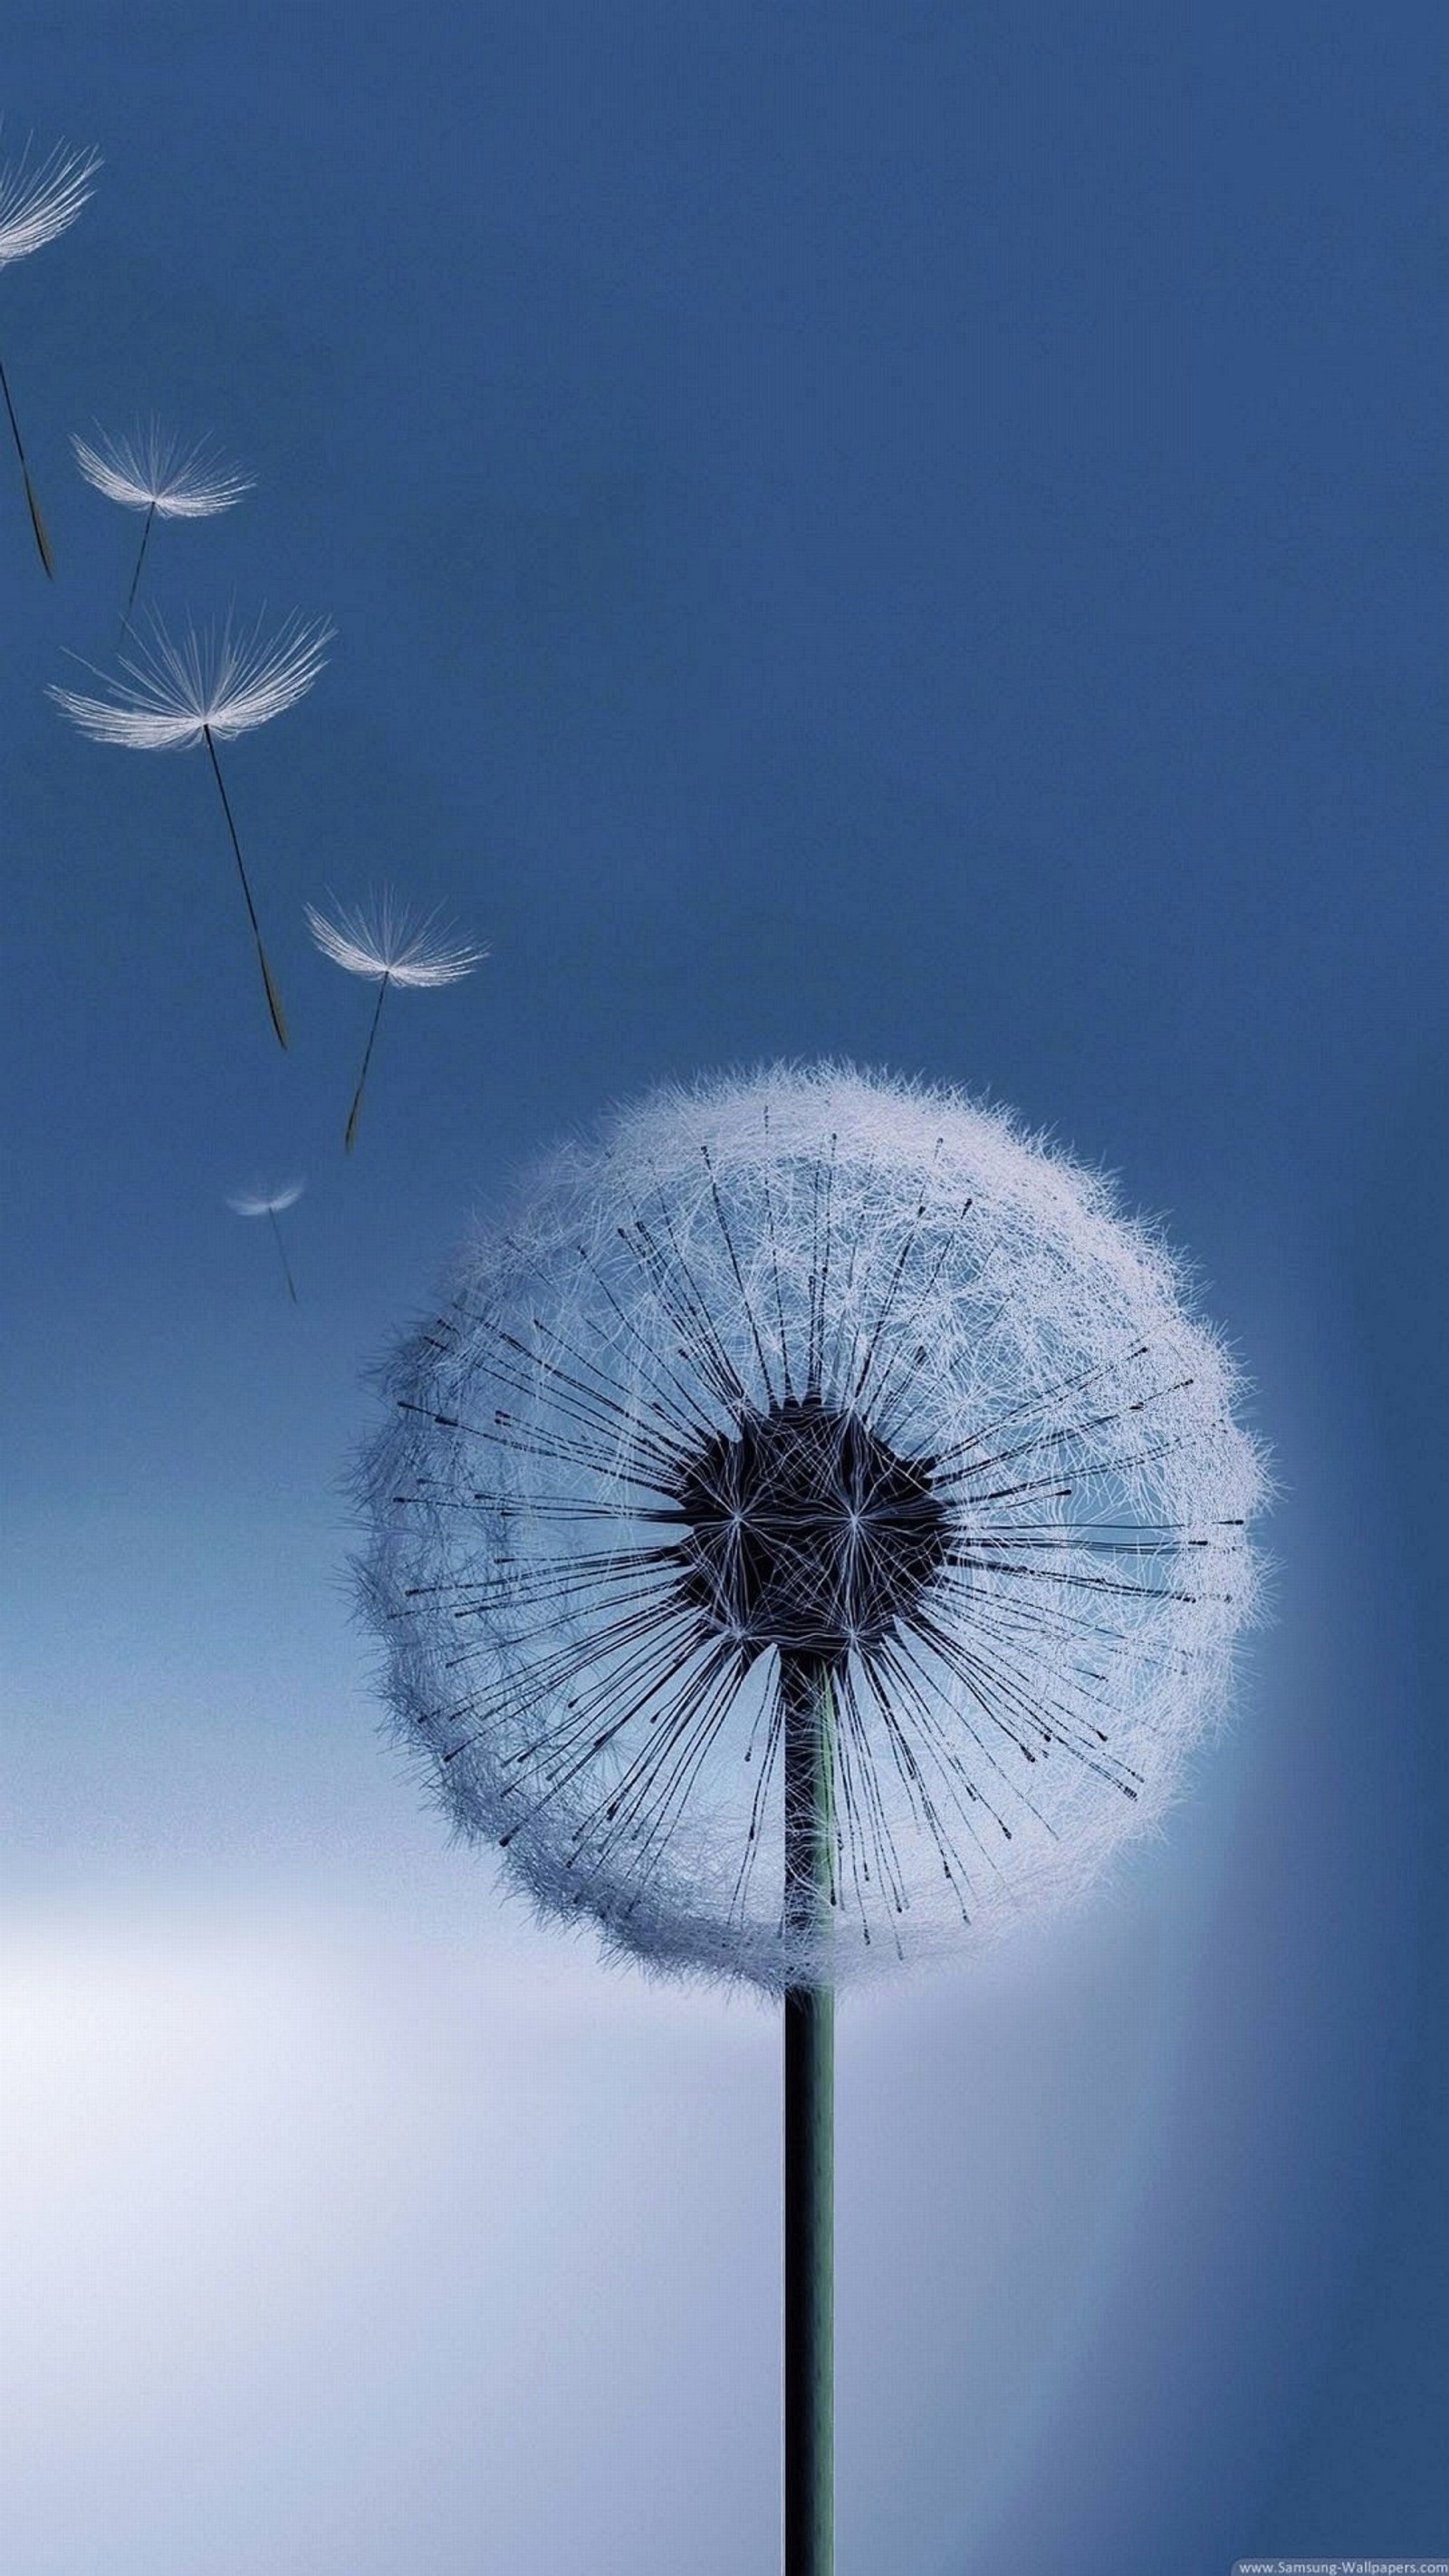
pixel 806 1531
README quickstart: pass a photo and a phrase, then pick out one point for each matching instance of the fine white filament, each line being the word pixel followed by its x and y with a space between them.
pixel 150 468
pixel 41 197
pixel 388 944
pixel 267 1202
pixel 218 680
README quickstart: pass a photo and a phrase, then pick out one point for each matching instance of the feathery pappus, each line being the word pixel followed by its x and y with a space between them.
pixel 813 1532
pixel 385 946
pixel 150 469
pixel 271 1204
pixel 41 195
pixel 207 685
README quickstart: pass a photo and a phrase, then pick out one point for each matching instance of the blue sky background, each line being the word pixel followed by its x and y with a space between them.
pixel 912 531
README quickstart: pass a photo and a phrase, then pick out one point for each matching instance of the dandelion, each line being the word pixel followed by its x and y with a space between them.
pixel 388 946
pixel 270 1203
pixel 812 1537
pixel 40 196
pixel 152 470
pixel 207 687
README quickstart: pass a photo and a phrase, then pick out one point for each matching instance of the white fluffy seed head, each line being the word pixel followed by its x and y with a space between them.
pixel 812 1380
pixel 386 943
pixel 222 680
pixel 263 1202
pixel 150 468
pixel 41 196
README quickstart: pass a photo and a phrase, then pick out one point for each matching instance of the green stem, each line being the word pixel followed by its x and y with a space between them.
pixel 809 2378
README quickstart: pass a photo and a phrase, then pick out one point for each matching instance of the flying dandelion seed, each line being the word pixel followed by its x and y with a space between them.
pixel 270 1205
pixel 150 469
pixel 39 198
pixel 388 946
pixel 811 1537
pixel 207 687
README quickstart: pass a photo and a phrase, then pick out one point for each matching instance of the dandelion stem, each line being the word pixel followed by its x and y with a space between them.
pixel 274 1000
pixel 809 2517
pixel 352 1116
pixel 136 575
pixel 282 1254
pixel 36 521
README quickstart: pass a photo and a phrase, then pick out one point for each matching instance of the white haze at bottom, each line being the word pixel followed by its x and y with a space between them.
pixel 334 2251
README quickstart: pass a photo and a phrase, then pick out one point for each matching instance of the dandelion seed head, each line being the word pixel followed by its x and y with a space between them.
pixel 264 1202
pixel 41 196
pixel 813 1373
pixel 388 943
pixel 150 468
pixel 224 680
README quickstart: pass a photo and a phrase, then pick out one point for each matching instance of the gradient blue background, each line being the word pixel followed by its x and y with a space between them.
pixel 915 531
